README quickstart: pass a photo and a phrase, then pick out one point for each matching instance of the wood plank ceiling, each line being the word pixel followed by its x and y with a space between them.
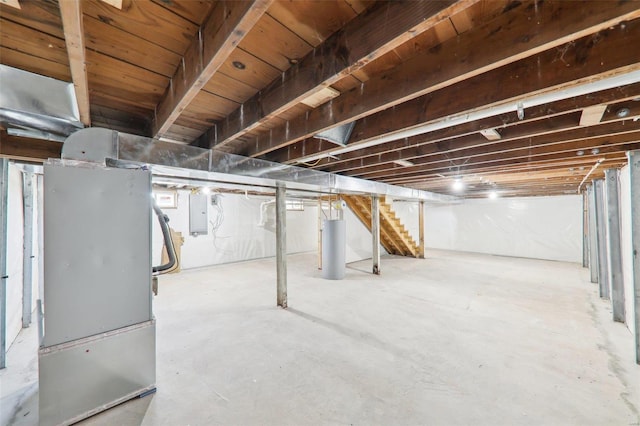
pixel 438 91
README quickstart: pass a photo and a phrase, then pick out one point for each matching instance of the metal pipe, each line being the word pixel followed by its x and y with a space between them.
pixel 634 180
pixel 601 219
pixel 593 239
pixel 4 190
pixel 281 245
pixel 613 244
pixel 27 252
pixel 375 233
pixel 421 229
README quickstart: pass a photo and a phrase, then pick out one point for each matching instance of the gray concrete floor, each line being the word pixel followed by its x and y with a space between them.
pixel 454 339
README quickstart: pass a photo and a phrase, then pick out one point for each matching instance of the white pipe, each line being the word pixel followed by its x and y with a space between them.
pixel 595 166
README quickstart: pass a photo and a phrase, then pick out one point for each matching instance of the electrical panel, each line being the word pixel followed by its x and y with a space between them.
pixel 198 214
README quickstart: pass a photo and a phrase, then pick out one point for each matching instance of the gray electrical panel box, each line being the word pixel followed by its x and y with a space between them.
pixel 198 214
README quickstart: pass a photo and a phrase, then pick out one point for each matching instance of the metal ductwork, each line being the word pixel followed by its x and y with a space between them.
pixel 205 165
pixel 33 102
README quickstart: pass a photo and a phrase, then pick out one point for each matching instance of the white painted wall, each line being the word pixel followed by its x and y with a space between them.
pixel 627 247
pixel 532 227
pixel 240 237
pixel 15 232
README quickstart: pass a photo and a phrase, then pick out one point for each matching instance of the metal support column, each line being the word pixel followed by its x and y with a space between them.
pixel 40 216
pixel 634 172
pixel 375 232
pixel 593 239
pixel 27 252
pixel 319 233
pixel 421 229
pixel 601 230
pixel 585 231
pixel 4 191
pixel 614 248
pixel 281 244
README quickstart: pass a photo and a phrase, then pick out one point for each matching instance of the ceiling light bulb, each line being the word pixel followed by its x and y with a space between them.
pixel 206 190
pixel 458 185
pixel 579 153
pixel 493 195
pixel 623 112
pixel 595 151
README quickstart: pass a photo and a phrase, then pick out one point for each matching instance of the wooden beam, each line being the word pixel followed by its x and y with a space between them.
pixel 480 164
pixel 544 134
pixel 227 25
pixel 567 149
pixel 532 167
pixel 311 147
pixel 28 149
pixel 556 120
pixel 364 39
pixel 511 36
pixel 71 14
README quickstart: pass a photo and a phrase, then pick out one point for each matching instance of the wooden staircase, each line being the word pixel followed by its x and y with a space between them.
pixel 393 235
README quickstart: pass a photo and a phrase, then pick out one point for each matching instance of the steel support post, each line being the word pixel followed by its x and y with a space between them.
pixel 585 231
pixel 601 230
pixel 281 244
pixel 27 252
pixel 614 248
pixel 375 233
pixel 4 191
pixel 593 239
pixel 319 233
pixel 40 215
pixel 421 229
pixel 634 172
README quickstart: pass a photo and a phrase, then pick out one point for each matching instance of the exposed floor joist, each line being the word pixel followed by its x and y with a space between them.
pixel 456 60
pixel 227 25
pixel 71 13
pixel 587 58
pixel 364 39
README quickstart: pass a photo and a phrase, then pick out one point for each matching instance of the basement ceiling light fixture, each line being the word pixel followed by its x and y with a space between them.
pixel 457 185
pixel 490 134
pixel 493 195
pixel 404 163
pixel 623 112
pixel 206 190
pixel 504 108
pixel 580 153
pixel 595 151
pixel 239 65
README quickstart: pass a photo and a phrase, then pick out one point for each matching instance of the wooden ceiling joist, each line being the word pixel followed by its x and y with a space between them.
pixel 292 153
pixel 547 133
pixel 71 14
pixel 364 39
pixel 480 165
pixel 546 119
pixel 584 60
pixel 28 149
pixel 227 25
pixel 523 31
pixel 559 151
